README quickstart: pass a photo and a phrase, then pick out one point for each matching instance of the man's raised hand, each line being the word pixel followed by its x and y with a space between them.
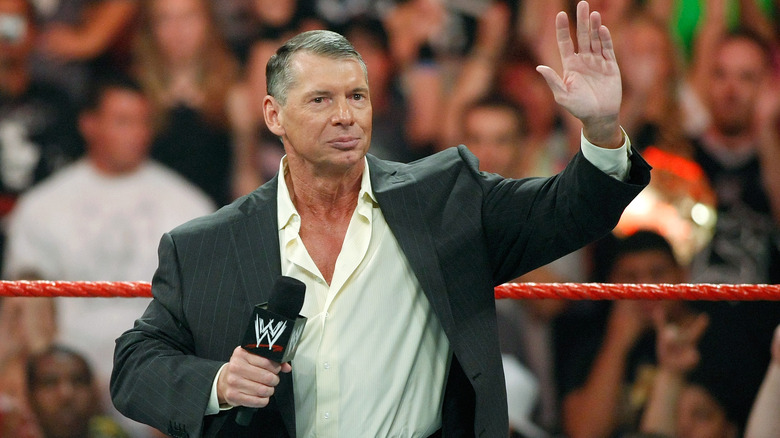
pixel 590 88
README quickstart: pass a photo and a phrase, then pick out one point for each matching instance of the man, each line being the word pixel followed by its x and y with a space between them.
pixel 608 360
pixel 99 219
pixel 740 154
pixel 494 130
pixel 37 125
pixel 64 396
pixel 400 262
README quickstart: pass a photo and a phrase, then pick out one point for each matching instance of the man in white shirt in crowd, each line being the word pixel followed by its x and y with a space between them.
pixel 100 219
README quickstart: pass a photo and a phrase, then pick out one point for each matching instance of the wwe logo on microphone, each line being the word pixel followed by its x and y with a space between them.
pixel 269 331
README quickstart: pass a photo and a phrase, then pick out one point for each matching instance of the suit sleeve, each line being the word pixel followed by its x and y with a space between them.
pixel 157 379
pixel 531 222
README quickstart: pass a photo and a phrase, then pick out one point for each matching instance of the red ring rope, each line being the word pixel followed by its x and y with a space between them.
pixel 568 291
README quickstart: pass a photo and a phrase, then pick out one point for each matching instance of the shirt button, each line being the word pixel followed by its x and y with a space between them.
pixel 326 365
pixel 326 416
pixel 327 314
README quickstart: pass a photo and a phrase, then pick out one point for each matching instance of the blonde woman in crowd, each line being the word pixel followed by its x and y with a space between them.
pixel 187 71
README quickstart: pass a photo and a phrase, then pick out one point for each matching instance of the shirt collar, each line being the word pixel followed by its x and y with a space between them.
pixel 287 213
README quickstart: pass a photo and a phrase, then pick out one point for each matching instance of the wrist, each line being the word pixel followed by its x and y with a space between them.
pixel 603 132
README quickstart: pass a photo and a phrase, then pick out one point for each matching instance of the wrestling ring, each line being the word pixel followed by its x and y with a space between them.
pixel 564 291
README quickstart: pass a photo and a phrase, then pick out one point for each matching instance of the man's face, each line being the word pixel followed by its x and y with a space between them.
pixel 649 266
pixel 700 416
pixel 493 135
pixel 325 123
pixel 118 132
pixel 63 396
pixel 735 82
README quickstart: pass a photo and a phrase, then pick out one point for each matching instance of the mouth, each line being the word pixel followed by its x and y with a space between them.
pixel 345 143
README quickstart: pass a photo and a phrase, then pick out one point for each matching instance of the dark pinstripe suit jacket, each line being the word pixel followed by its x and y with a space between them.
pixel 463 232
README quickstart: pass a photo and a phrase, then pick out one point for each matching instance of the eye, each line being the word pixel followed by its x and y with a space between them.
pixel 318 99
pixel 358 96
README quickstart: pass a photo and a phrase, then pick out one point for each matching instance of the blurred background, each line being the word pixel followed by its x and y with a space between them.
pixel 120 119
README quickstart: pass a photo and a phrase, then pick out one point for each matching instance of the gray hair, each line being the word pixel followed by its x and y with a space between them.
pixel 278 72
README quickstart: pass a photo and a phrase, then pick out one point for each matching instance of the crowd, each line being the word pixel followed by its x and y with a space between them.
pixel 120 119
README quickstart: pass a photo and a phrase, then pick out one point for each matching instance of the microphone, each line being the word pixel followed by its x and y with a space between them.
pixel 275 329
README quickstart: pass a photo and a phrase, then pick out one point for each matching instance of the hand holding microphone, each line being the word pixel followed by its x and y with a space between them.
pixel 269 345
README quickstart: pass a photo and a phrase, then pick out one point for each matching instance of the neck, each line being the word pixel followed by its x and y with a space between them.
pixel 327 195
pixel 111 170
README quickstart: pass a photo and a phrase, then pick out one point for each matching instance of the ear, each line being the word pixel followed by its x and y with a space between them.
pixel 272 112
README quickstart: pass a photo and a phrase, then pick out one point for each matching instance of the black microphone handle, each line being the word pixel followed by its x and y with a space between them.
pixel 244 415
pixel 285 299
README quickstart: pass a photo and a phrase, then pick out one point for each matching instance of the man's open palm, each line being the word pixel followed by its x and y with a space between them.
pixel 590 88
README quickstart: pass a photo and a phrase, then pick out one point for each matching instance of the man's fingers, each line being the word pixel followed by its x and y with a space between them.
pixel 248 379
pixel 562 35
pixel 257 360
pixel 553 80
pixel 595 38
pixel 607 47
pixel 583 27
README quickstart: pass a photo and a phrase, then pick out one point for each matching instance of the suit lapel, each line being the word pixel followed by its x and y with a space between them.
pixel 400 200
pixel 256 239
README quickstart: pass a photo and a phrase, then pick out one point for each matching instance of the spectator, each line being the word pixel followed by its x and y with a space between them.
pixel 187 71
pixel 619 377
pixel 111 209
pixel 78 38
pixel 495 130
pixel 64 396
pixel 688 399
pixel 699 413
pixel 740 154
pixel 703 414
pixel 763 420
pixel 24 332
pixel 37 128
pixel 429 40
pixel 652 85
pixel 680 404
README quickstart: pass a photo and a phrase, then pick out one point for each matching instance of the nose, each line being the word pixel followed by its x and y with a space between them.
pixel 342 113
pixel 66 389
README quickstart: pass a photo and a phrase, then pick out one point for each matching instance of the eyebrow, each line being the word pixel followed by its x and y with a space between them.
pixel 330 93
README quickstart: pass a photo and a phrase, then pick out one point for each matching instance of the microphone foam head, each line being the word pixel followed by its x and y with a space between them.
pixel 287 296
